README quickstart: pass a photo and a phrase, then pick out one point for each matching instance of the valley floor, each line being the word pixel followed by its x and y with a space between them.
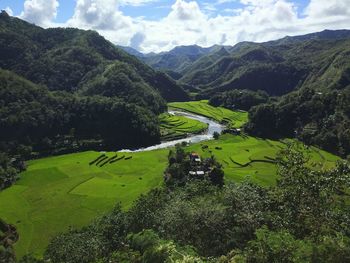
pixel 60 192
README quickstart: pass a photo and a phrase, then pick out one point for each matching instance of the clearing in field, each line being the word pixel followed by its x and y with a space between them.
pixel 175 127
pixel 234 119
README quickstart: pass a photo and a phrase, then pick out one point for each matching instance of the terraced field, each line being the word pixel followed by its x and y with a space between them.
pixel 176 127
pixel 235 119
pixel 58 192
pixel 248 157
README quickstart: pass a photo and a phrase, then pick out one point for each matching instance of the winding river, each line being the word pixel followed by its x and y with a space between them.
pixel 208 135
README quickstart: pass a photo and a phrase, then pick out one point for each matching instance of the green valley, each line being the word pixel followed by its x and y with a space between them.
pixel 60 192
pixel 228 152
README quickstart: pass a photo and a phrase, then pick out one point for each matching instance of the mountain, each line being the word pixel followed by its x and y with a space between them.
pixel 277 67
pixel 132 51
pixel 65 89
pixel 175 60
pixel 76 61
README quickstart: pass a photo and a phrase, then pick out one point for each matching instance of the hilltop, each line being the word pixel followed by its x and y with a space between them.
pixel 75 60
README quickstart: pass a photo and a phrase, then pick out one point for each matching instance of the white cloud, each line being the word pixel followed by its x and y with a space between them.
pixel 40 12
pixel 136 2
pixel 191 22
pixel 321 8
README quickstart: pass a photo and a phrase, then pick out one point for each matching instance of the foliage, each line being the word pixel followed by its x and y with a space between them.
pixel 8 236
pixel 90 243
pixel 181 164
pixel 71 59
pixel 8 171
pixel 307 201
pixel 278 67
pixel 32 116
pixel 317 118
pixel 239 99
pixel 216 135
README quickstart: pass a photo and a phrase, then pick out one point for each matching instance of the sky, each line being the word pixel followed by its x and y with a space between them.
pixel 160 25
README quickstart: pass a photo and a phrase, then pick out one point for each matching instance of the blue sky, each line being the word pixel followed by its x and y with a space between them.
pixel 158 25
pixel 153 11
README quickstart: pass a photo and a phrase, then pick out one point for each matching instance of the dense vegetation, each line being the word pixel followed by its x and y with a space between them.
pixel 239 99
pixel 318 118
pixel 319 60
pixel 297 220
pixel 68 90
pixel 32 115
pixel 314 67
pixel 72 59
pixel 35 120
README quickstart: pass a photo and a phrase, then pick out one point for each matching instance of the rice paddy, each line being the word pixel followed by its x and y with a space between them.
pixel 176 127
pixel 234 119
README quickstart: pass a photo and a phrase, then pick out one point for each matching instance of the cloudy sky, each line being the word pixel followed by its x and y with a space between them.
pixel 158 25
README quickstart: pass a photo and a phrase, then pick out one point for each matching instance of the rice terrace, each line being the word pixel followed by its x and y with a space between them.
pixel 60 192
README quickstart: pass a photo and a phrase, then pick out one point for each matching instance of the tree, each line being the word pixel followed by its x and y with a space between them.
pixel 216 176
pixel 304 198
pixel 216 135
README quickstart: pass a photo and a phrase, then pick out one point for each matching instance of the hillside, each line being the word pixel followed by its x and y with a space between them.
pixel 75 60
pixel 316 118
pixel 45 120
pixel 277 67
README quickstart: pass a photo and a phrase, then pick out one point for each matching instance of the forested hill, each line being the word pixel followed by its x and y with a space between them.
pixel 278 67
pixel 81 61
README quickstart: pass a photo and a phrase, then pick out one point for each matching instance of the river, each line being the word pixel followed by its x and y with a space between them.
pixel 213 126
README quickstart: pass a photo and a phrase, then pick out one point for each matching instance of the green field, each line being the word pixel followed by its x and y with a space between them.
pixel 235 119
pixel 174 127
pixel 58 192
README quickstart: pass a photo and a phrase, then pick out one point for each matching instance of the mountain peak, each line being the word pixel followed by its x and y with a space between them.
pixel 4 14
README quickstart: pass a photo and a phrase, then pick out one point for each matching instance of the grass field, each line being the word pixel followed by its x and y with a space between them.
pixel 56 193
pixel 235 119
pixel 174 127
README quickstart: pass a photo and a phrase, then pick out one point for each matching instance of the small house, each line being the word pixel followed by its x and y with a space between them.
pixel 194 157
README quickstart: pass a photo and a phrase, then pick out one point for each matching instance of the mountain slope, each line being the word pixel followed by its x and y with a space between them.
pixel 33 116
pixel 276 67
pixel 64 59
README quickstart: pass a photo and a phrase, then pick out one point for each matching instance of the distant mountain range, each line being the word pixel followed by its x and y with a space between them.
pixel 277 67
